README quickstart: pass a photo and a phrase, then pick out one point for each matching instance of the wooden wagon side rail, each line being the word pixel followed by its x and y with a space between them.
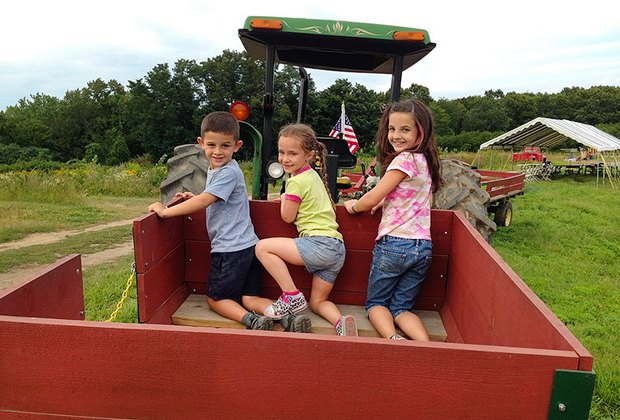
pixel 500 184
pixel 93 369
pixel 55 292
pixel 159 248
pixel 498 308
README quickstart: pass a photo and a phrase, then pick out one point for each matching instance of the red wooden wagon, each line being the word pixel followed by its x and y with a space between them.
pixel 505 355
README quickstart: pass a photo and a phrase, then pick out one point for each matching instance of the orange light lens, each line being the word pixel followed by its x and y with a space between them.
pixel 273 24
pixel 240 110
pixel 409 36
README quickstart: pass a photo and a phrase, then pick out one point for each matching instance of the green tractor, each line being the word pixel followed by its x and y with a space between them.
pixel 337 46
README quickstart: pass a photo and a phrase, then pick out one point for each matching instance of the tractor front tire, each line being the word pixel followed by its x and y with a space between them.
pixel 187 171
pixel 462 192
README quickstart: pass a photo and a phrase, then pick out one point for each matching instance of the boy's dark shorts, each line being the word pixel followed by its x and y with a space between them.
pixel 234 274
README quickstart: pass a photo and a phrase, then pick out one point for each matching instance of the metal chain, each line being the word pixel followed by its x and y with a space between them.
pixel 119 305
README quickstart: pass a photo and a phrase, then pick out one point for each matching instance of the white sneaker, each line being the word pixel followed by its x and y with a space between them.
pixel 347 326
pixel 286 304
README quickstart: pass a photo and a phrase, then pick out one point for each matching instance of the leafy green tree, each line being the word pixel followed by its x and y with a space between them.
pixel 468 141
pixel 419 92
pixel 487 114
pixel 329 105
pixel 94 153
pixel 119 152
pixel 89 112
pixel 32 122
pixel 442 120
pixel 228 77
pixel 455 112
pixel 520 107
pixel 161 108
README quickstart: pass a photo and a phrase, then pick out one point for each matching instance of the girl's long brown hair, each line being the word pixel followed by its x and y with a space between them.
pixel 426 127
pixel 307 139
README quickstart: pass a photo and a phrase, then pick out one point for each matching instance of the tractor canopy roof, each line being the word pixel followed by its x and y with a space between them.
pixel 334 44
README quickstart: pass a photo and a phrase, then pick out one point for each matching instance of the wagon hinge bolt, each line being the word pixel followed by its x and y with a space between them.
pixel 561 407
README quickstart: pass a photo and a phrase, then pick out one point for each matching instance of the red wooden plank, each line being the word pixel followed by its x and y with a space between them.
pixel 359 231
pixel 164 313
pixel 197 288
pixel 498 308
pixel 157 285
pixel 197 261
pixel 441 231
pixel 433 291
pixel 154 238
pixel 149 375
pixel 195 227
pixel 267 221
pixel 56 292
pixel 453 335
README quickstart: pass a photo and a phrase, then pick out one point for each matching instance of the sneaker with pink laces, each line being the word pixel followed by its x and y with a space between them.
pixel 286 304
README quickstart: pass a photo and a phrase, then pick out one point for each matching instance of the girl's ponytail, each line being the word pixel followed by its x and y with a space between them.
pixel 321 161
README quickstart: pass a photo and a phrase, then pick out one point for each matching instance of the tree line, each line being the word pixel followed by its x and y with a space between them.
pixel 112 123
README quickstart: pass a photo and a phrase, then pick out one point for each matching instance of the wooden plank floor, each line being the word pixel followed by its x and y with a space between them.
pixel 195 312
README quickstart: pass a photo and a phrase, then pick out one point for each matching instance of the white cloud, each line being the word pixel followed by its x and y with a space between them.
pixel 52 47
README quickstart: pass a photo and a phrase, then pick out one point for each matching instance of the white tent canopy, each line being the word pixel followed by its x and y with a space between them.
pixel 547 132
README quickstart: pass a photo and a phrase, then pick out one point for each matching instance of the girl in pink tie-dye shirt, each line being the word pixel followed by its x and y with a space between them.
pixel 402 254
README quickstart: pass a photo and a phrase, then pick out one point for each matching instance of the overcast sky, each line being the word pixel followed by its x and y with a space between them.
pixel 523 46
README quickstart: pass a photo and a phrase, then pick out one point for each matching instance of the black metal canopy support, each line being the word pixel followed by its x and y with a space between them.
pixel 268 105
pixel 303 95
pixel 397 76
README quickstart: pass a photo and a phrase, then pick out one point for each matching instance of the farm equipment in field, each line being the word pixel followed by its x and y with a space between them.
pixel 497 350
pixel 529 154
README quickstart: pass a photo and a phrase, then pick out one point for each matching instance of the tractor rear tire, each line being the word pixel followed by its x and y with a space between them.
pixel 462 192
pixel 187 171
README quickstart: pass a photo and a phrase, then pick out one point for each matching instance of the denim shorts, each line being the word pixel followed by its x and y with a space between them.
pixel 234 274
pixel 323 256
pixel 398 269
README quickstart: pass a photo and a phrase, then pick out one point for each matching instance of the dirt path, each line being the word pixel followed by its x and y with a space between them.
pixel 88 260
pixel 50 237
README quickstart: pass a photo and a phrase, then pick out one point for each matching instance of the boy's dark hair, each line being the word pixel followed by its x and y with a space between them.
pixel 220 122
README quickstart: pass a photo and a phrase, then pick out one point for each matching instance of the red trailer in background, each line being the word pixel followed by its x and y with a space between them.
pixel 529 154
pixel 501 187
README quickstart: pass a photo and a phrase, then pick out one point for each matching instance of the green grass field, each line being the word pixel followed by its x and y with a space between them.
pixel 563 243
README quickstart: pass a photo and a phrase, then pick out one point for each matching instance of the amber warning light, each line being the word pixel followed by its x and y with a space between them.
pixel 409 36
pixel 240 110
pixel 266 24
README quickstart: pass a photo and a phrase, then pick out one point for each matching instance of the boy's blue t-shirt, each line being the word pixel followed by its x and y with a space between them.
pixel 228 219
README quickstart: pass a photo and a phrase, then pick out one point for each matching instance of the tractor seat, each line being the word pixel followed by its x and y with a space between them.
pixel 340 148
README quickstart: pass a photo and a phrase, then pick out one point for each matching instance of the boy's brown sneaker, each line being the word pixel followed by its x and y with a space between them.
pixel 296 323
pixel 254 321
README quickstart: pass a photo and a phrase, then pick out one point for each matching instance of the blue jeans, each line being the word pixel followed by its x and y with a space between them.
pixel 398 269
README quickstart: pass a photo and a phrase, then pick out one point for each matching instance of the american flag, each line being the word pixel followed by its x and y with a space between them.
pixel 348 133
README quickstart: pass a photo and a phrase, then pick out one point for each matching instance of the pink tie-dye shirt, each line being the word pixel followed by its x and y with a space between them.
pixel 407 208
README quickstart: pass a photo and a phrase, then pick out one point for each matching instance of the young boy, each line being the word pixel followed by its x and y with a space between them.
pixel 235 271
